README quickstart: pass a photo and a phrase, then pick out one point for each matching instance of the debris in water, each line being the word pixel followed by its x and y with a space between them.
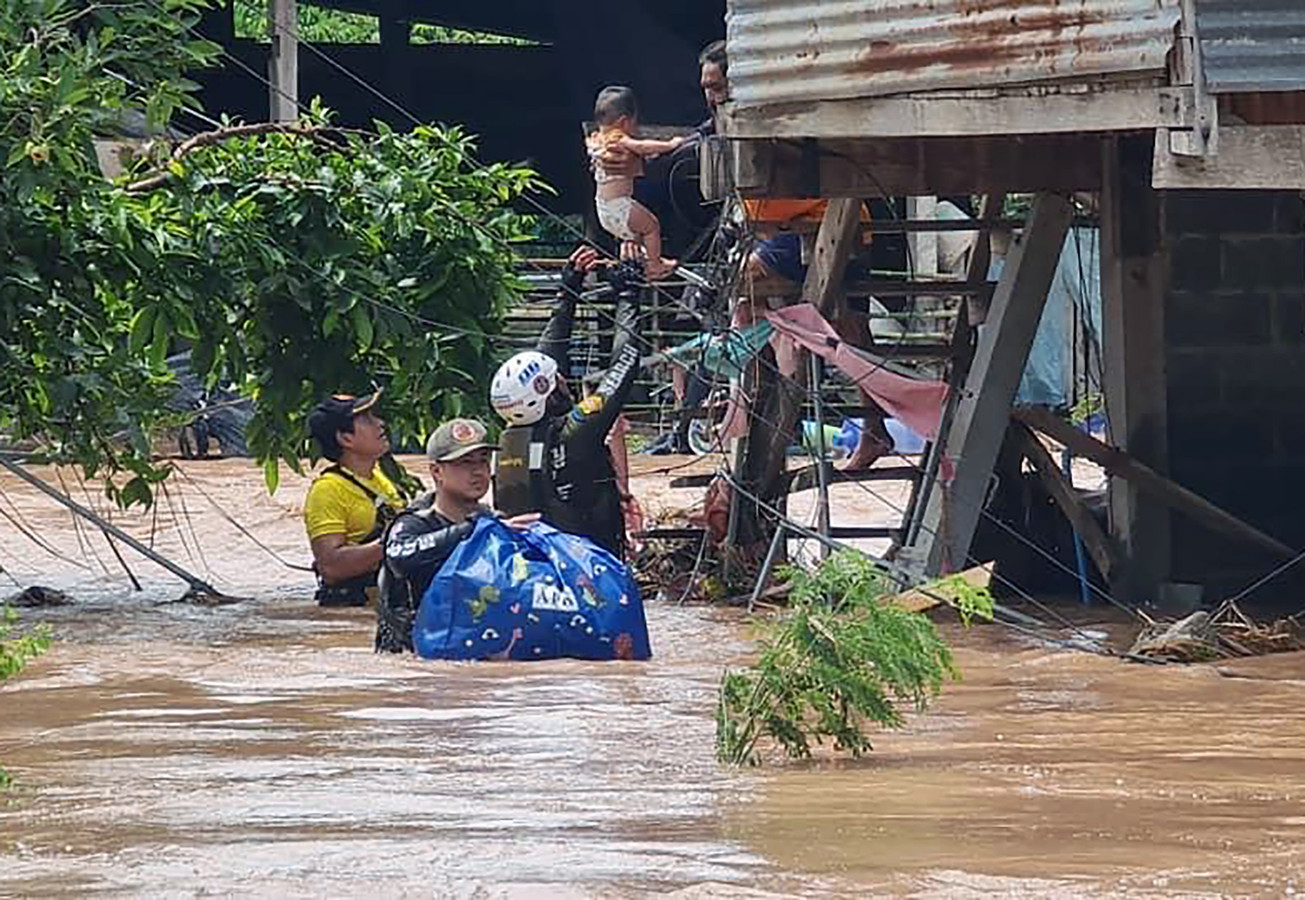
pixel 1228 634
pixel 36 596
pixel 201 597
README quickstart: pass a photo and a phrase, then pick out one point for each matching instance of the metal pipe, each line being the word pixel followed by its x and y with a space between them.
pixel 769 563
pixel 822 474
pixel 1067 463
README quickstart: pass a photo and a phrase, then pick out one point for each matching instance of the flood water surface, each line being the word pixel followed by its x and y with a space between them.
pixel 262 749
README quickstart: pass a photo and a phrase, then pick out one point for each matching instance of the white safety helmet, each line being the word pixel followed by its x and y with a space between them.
pixel 521 387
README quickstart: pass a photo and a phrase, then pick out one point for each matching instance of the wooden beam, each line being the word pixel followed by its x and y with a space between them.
pixel 1264 157
pixel 283 60
pixel 1117 462
pixel 823 287
pixel 950 515
pixel 916 600
pixel 912 166
pixel 973 113
pixel 1104 552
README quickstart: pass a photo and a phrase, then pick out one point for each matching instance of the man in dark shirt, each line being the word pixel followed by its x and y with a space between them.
pixel 427 532
pixel 713 78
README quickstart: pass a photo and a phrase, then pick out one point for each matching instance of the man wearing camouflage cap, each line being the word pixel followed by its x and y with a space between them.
pixel 426 533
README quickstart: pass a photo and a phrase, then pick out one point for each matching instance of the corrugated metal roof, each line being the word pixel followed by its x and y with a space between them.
pixel 1252 45
pixel 793 51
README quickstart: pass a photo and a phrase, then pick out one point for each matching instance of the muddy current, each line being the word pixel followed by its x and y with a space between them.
pixel 261 749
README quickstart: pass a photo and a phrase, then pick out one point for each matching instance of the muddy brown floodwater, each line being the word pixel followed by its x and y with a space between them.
pixel 261 749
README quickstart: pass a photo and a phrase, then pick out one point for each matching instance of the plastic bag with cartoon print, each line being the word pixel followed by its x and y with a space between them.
pixel 534 594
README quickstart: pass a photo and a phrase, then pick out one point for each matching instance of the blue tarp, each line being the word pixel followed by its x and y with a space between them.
pixel 535 594
pixel 1048 378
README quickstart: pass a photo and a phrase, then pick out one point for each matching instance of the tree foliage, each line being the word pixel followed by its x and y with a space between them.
pixel 839 659
pixel 293 261
pixel 320 25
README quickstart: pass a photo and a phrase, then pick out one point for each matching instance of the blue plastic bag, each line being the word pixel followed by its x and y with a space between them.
pixel 535 594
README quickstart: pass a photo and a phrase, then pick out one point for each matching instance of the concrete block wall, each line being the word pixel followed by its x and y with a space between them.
pixel 1235 376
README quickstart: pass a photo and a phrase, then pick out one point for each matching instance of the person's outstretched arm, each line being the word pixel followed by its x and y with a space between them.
pixel 594 416
pixel 556 339
pixel 650 147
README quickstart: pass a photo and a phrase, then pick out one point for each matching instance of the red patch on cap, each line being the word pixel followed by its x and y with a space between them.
pixel 541 385
pixel 463 432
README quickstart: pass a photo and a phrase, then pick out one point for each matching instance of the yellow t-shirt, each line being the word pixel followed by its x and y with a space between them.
pixel 336 505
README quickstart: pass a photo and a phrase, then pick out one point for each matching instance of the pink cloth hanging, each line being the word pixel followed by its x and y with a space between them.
pixel 915 402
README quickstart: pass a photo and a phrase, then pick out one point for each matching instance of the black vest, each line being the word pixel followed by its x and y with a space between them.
pixel 573 488
pixel 522 480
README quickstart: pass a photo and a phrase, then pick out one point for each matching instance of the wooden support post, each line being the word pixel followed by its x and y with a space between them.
pixel 834 242
pixel 1122 465
pixel 283 60
pixel 1132 298
pixel 1098 543
pixel 779 400
pixel 982 412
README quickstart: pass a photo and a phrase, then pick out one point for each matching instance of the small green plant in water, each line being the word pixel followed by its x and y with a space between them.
pixel 969 600
pixel 17 649
pixel 841 658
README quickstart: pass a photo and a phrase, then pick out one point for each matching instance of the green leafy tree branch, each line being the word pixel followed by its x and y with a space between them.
pixel 293 261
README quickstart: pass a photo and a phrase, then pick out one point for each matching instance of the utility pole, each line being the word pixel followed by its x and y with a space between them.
pixel 283 60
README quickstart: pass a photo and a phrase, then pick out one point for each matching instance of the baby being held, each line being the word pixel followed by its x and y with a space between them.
pixel 617 154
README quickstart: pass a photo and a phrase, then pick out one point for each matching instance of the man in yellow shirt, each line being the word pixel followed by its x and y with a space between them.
pixel 351 502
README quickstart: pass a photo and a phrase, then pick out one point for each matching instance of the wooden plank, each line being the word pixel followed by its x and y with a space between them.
pixel 1117 462
pixel 950 515
pixel 1250 157
pixel 916 600
pixel 973 114
pixel 283 60
pixel 905 166
pixel 1104 552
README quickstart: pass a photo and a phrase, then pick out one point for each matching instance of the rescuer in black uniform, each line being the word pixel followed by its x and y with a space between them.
pixel 553 458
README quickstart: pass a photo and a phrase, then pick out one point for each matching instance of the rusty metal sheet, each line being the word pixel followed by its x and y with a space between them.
pixel 1252 45
pixel 796 51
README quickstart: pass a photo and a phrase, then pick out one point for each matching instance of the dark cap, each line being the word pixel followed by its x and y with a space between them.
pixel 456 438
pixel 335 414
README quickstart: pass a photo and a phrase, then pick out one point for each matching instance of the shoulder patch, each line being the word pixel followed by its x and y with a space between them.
pixel 591 404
